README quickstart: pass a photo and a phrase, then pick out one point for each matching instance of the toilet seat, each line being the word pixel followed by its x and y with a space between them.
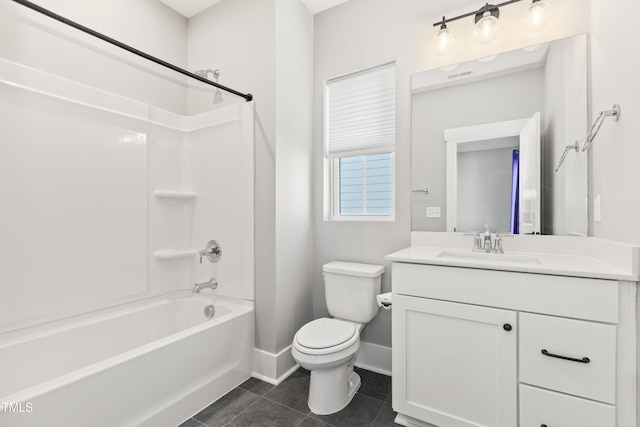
pixel 325 336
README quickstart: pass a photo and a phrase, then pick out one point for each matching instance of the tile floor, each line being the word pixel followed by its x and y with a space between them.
pixel 256 403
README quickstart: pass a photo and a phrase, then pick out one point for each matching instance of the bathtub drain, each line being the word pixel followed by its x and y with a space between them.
pixel 209 311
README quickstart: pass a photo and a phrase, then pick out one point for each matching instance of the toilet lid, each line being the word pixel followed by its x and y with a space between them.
pixel 324 333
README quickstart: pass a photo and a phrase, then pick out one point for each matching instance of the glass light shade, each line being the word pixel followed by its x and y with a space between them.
pixel 538 16
pixel 442 41
pixel 486 29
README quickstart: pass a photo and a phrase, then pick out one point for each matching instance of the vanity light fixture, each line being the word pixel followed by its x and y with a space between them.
pixel 538 15
pixel 443 40
pixel 486 23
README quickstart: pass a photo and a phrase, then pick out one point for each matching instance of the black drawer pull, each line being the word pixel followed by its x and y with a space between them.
pixel 571 359
pixel 543 425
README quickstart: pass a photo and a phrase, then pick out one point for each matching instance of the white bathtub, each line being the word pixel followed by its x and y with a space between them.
pixel 152 364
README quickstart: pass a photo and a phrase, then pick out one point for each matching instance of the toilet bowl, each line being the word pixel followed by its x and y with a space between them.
pixel 327 346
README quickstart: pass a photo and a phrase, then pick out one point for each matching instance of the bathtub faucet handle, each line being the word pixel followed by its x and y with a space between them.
pixel 213 251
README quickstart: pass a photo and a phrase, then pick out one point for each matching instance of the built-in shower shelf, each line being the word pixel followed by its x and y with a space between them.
pixel 175 194
pixel 169 254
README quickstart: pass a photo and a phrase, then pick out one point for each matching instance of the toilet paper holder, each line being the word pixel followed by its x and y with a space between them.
pixel 384 300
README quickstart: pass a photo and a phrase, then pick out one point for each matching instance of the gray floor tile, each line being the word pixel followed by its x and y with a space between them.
pixel 226 408
pixel 312 422
pixel 303 372
pixel 292 393
pixel 256 386
pixel 286 405
pixel 361 412
pixel 385 417
pixel 374 385
pixel 265 413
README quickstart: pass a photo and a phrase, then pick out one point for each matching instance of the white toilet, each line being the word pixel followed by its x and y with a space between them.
pixel 327 347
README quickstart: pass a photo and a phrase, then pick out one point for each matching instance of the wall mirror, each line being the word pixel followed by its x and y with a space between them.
pixel 487 136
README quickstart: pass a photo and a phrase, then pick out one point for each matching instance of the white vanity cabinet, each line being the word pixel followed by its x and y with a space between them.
pixel 479 347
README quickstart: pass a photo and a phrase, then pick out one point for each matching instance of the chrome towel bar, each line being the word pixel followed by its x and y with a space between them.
pixel 591 135
pixel 614 112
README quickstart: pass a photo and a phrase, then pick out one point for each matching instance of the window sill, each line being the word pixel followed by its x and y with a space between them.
pixel 361 218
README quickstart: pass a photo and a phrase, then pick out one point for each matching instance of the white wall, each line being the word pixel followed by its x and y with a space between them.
pixel 615 67
pixel 37 41
pixel 242 46
pixel 294 166
pixel 362 33
pixel 268 53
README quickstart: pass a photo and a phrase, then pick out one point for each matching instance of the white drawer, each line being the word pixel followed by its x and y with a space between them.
pixel 573 339
pixel 542 407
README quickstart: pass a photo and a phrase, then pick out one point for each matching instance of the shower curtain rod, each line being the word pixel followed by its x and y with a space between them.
pixel 248 97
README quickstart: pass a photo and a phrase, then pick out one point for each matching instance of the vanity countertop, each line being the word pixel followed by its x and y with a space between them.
pixel 563 256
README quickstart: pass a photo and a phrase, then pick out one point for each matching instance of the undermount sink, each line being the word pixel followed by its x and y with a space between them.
pixel 488 258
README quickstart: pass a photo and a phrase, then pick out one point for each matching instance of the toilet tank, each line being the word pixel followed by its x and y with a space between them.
pixel 350 290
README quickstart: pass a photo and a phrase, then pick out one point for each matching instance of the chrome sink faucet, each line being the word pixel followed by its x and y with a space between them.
pixel 211 283
pixel 497 244
pixel 485 244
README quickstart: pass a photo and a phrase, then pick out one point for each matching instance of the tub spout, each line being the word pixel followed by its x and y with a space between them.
pixel 211 283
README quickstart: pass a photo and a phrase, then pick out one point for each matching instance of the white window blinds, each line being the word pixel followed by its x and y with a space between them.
pixel 360 113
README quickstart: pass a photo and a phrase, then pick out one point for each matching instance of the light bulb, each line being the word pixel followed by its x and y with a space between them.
pixel 486 29
pixel 538 15
pixel 443 41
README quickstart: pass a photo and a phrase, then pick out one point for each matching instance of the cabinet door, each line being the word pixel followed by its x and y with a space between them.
pixel 454 365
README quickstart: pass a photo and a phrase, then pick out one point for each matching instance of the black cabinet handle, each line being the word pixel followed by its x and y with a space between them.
pixel 507 327
pixel 543 425
pixel 571 359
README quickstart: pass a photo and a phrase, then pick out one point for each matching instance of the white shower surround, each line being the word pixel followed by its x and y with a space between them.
pixel 111 198
pixel 109 202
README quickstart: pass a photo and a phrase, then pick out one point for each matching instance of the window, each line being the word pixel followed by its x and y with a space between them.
pixel 360 144
pixel 365 185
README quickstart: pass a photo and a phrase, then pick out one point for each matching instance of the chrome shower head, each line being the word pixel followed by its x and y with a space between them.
pixel 217 97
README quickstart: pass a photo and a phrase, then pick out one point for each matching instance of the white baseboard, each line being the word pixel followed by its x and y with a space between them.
pixel 273 368
pixel 374 357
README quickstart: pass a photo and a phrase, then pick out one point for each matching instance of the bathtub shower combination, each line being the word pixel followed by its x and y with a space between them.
pixel 109 202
